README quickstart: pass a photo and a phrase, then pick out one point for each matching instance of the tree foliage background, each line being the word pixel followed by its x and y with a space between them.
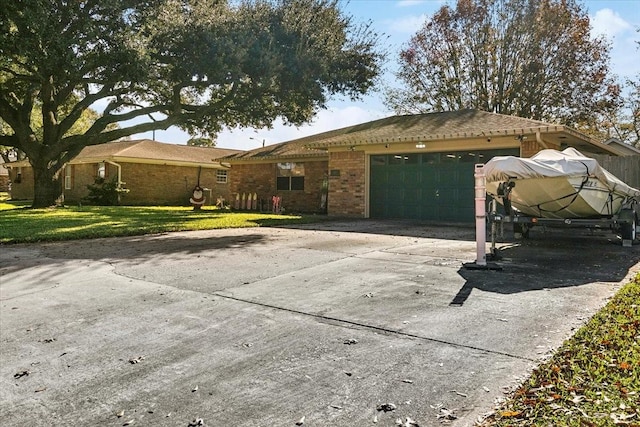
pixel 201 65
pixel 529 58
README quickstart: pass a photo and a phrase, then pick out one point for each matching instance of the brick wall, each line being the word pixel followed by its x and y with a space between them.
pixel 261 179
pixel 530 148
pixel 22 190
pixel 347 183
pixel 168 185
pixel 4 182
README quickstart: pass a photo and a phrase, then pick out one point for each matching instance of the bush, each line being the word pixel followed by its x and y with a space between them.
pixel 105 193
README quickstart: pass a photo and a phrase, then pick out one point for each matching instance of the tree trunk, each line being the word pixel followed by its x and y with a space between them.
pixel 47 189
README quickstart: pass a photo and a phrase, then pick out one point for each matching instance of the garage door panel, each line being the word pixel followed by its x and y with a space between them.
pixel 427 186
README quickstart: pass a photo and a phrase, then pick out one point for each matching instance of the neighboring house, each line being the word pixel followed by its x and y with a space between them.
pixel 153 172
pixel 413 166
pixel 5 182
pixel 623 148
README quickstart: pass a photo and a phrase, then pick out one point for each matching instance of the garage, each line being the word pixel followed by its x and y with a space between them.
pixel 427 186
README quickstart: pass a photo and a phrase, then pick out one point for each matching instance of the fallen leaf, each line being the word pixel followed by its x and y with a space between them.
pixel 128 423
pixel 41 389
pixel 120 414
pixel 136 360
pixel 510 414
pixel 300 421
pixel 21 374
pixel 446 414
pixel 351 341
pixel 386 407
pixel 194 389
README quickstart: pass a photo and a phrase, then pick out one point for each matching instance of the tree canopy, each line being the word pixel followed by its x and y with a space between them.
pixel 143 65
pixel 529 58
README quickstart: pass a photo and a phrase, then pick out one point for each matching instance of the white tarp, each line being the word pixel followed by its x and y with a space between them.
pixel 552 163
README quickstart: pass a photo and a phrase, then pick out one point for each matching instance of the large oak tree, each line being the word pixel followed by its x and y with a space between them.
pixel 201 65
pixel 530 58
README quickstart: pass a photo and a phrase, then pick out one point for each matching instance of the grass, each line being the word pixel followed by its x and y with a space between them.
pixel 20 224
pixel 592 380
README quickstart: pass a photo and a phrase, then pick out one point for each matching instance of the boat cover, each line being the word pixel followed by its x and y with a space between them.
pixel 552 163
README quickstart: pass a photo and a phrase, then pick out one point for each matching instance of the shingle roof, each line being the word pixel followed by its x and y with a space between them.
pixel 432 126
pixel 152 150
pixel 283 150
pixel 461 124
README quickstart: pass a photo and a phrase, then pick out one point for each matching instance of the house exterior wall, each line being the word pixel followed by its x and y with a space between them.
pixel 531 148
pixel 347 184
pixel 260 178
pixel 4 182
pixel 149 184
pixel 22 190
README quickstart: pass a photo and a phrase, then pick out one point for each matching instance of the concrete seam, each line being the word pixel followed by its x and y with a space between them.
pixel 375 328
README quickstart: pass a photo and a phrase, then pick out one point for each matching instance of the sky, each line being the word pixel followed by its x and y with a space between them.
pixel 398 20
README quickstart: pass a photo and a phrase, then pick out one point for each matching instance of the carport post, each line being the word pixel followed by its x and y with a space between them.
pixel 481 228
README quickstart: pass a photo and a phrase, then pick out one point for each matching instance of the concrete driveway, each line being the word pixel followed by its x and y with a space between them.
pixel 347 323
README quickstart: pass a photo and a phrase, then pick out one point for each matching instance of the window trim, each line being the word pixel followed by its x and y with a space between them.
pixel 291 173
pixel 68 177
pixel 222 176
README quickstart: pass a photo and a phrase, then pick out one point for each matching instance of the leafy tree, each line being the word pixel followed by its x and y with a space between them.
pixel 202 142
pixel 201 65
pixel 618 115
pixel 530 58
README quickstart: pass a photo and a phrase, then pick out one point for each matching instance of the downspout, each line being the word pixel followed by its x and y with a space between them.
pixel 119 172
pixel 119 183
pixel 540 141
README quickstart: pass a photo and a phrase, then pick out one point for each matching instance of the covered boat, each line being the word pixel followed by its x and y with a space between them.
pixel 557 184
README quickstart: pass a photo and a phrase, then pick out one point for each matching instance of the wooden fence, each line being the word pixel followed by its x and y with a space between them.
pixel 625 168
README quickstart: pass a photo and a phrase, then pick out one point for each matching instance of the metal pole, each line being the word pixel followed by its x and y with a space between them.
pixel 481 228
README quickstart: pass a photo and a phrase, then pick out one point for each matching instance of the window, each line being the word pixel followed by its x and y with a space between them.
pixel 290 176
pixel 67 177
pixel 102 170
pixel 221 176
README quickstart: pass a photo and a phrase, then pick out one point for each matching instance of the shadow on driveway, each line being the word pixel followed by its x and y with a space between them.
pixel 556 258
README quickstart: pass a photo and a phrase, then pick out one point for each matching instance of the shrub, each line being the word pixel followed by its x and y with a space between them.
pixel 105 193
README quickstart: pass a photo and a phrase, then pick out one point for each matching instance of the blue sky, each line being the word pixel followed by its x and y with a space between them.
pixel 618 20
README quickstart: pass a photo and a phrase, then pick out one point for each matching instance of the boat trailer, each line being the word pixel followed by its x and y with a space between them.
pixel 625 223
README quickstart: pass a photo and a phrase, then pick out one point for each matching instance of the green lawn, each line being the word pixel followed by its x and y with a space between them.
pixel 19 224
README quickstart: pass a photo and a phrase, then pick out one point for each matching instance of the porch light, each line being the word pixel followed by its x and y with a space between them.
pixel 420 145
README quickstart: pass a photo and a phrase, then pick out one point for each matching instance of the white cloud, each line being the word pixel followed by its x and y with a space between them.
pixel 407 24
pixel 248 139
pixel 609 23
pixel 409 3
pixel 326 120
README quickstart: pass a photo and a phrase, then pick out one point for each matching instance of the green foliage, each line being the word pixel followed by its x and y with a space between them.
pixel 592 380
pixel 105 193
pixel 529 58
pixel 202 142
pixel 201 65
pixel 86 222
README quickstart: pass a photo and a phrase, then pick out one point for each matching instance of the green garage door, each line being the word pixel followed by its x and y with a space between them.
pixel 427 186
